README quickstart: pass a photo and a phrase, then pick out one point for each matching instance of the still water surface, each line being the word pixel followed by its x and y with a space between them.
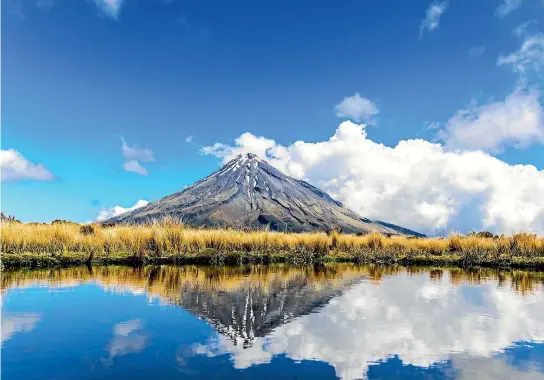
pixel 276 322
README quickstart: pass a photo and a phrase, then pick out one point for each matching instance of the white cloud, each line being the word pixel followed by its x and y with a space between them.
pixel 107 213
pixel 529 57
pixel 13 323
pixel 111 8
pixel 246 143
pixel 416 183
pixel 135 167
pixel 420 320
pixel 136 153
pixel 507 7
pixel 431 125
pixel 522 29
pixel 17 168
pixel 357 109
pixel 432 16
pixel 517 121
pixel 133 155
pixel 189 139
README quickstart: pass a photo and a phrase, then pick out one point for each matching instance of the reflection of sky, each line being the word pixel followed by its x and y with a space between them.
pixel 401 327
pixel 419 321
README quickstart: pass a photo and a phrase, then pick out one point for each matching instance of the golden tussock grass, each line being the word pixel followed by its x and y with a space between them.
pixel 163 240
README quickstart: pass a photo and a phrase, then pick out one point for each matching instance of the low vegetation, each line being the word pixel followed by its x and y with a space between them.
pixel 42 245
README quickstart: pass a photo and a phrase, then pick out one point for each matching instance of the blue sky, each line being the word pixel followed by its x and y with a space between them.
pixel 80 76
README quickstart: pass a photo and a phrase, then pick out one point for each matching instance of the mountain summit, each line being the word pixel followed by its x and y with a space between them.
pixel 250 193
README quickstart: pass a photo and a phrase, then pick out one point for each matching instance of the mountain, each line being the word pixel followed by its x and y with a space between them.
pixel 250 193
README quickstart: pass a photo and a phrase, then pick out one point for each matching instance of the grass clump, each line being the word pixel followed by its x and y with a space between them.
pixel 56 244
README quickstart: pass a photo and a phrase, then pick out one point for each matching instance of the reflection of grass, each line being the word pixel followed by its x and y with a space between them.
pixel 168 281
pixel 69 244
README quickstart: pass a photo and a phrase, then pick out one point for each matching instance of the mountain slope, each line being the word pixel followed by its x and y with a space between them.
pixel 249 193
pixel 401 230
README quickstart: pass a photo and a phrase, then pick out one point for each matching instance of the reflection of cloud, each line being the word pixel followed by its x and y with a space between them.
pixel 421 321
pixel 492 369
pixel 13 323
pixel 125 328
pixel 125 345
pixel 126 340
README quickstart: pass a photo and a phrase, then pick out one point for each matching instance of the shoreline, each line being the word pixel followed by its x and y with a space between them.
pixel 210 257
pixel 67 244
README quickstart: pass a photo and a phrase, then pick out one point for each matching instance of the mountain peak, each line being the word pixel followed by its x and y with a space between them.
pixel 245 157
pixel 248 192
pixel 251 156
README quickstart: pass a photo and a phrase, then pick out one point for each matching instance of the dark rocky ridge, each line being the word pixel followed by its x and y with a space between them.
pixel 249 193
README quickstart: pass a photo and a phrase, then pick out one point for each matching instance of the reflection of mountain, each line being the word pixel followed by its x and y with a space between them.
pixel 254 311
pixel 419 316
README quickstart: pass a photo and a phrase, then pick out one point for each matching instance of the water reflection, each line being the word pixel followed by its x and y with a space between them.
pixel 492 368
pixel 127 339
pixel 419 321
pixel 357 319
pixel 14 323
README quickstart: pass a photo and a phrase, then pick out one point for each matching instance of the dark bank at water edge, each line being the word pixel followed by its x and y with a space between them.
pixel 213 257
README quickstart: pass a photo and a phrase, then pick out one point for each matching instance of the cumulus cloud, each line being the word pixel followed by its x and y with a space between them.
pixel 107 213
pixel 357 109
pixel 17 168
pixel 507 7
pixel 133 155
pixel 420 320
pixel 416 183
pixel 518 121
pixel 13 323
pixel 189 139
pixel 432 16
pixel 111 8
